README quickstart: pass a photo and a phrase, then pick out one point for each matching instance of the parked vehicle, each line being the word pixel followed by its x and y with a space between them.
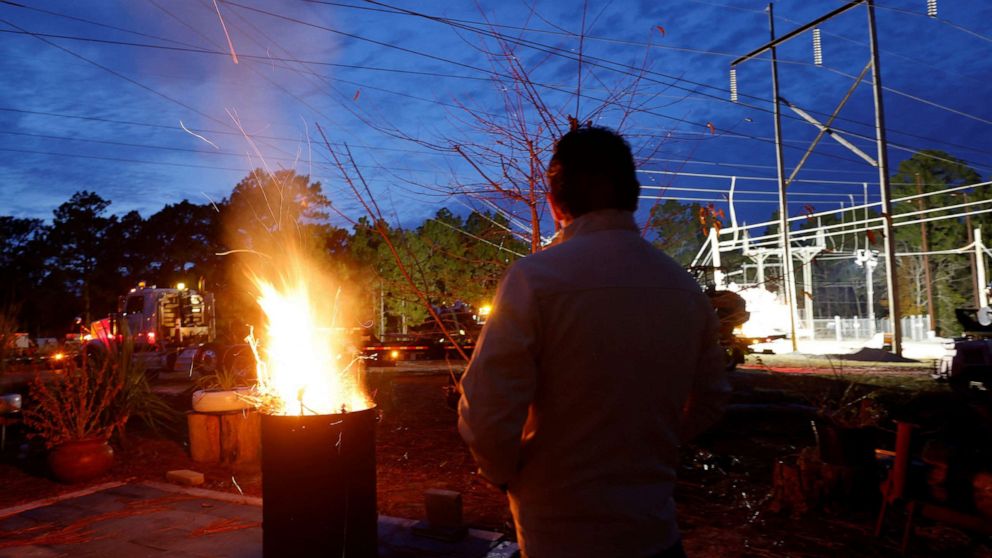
pixel 967 360
pixel 173 330
pixel 427 341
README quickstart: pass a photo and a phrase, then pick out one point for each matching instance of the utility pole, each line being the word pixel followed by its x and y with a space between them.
pixel 783 207
pixel 971 238
pixel 925 245
pixel 869 260
pixel 983 297
pixel 883 177
pixel 382 311
pixel 881 163
pixel 714 239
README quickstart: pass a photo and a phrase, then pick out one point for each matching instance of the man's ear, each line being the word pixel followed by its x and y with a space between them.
pixel 559 214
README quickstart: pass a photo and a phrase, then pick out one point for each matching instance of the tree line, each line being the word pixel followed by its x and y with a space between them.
pixel 79 263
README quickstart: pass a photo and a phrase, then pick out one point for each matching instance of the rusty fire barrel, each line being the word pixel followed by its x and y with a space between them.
pixel 318 485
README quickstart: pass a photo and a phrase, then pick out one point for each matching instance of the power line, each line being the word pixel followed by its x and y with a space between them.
pixel 199 50
pixel 746 165
pixel 947 22
pixel 613 66
pixel 287 59
pixel 898 216
pixel 298 139
pixel 119 159
pixel 715 200
pixel 41 37
pixel 433 74
pixel 917 99
pixel 115 73
pixel 498 74
pixel 97 23
pixel 199 130
pixel 697 51
pixel 745 192
pixel 755 178
pixel 325 164
pixel 915 61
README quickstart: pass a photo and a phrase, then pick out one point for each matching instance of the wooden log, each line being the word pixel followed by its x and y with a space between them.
pixel 204 437
pixel 804 483
pixel 240 438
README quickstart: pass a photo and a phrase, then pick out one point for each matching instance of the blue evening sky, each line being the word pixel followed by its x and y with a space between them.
pixel 93 92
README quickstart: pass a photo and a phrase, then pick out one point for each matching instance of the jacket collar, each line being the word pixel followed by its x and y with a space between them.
pixel 600 220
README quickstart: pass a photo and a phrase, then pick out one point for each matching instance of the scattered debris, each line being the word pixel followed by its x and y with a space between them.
pixel 867 354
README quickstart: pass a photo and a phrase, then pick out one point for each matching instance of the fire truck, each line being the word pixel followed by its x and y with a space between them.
pixel 172 329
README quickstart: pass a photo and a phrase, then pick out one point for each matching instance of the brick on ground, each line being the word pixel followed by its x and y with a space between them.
pixel 185 477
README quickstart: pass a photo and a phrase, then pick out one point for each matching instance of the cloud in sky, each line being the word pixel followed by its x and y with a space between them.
pixel 69 125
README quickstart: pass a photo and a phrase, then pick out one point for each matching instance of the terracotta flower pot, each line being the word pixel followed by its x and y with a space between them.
pixel 81 460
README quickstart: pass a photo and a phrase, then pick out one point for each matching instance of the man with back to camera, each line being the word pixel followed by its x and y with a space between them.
pixel 600 357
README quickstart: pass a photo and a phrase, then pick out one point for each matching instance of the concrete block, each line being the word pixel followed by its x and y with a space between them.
pixel 444 508
pixel 185 477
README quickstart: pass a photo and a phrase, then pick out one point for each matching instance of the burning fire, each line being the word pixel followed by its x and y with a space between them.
pixel 768 315
pixel 304 366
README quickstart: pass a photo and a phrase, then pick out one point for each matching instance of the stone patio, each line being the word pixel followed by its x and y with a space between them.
pixel 153 519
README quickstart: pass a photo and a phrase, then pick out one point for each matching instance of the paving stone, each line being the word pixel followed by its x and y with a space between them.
pixel 165 523
pixel 151 527
pixel 98 502
pixel 218 508
pixel 60 512
pixel 110 548
pixel 243 543
pixel 405 543
pixel 135 491
pixel 16 522
pixel 30 552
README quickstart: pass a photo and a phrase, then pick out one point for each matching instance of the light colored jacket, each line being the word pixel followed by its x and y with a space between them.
pixel 599 357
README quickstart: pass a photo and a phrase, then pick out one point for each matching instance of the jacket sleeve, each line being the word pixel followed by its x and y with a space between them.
pixel 499 384
pixel 710 387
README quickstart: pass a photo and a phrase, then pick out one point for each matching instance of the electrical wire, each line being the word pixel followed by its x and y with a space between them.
pixel 722 98
pixel 117 74
pixel 433 74
pixel 497 74
pixel 947 22
pixel 745 192
pixel 714 200
pixel 200 130
pixel 294 60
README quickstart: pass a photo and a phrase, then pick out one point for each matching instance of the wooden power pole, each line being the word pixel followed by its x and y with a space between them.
pixel 925 247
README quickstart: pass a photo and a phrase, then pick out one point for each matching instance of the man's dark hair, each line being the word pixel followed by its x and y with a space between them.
pixel 592 168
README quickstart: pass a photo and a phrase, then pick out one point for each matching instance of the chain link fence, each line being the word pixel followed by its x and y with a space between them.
pixel 914 328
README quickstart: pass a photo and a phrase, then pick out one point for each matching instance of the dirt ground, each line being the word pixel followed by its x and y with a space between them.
pixel 724 492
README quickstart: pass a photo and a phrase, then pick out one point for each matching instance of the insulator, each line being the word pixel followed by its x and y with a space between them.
pixel 733 85
pixel 932 8
pixel 817 47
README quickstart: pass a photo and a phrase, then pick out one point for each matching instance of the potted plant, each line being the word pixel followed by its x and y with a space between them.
pixel 136 399
pixel 75 413
pixel 226 388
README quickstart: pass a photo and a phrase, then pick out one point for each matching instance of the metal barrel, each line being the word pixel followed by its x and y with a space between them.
pixel 319 485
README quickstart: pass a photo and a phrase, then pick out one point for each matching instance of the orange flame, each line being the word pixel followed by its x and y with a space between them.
pixel 303 365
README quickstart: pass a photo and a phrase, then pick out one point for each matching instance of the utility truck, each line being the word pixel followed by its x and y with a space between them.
pixel 967 362
pixel 427 341
pixel 172 330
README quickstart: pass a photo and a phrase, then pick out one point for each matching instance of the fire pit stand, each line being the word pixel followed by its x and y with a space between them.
pixel 319 485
